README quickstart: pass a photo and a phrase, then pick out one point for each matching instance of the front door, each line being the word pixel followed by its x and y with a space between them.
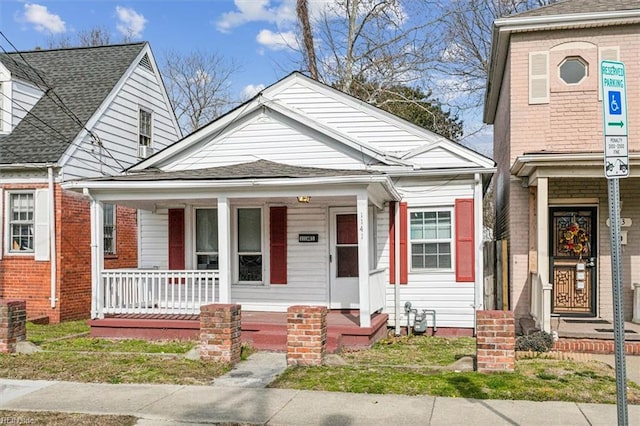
pixel 343 255
pixel 573 260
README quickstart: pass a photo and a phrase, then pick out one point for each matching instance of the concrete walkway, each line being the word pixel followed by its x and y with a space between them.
pixel 176 405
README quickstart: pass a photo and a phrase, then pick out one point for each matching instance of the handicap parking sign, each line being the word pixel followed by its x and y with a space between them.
pixel 615 106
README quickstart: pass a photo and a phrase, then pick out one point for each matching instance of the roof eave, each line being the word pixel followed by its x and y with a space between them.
pixel 504 27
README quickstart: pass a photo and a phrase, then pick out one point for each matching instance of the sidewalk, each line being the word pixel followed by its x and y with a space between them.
pixel 175 405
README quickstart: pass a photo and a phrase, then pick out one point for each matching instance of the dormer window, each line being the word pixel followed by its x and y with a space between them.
pixel 573 70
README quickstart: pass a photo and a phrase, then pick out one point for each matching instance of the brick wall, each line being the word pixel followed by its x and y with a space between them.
pixel 220 333
pixel 21 277
pixel 306 335
pixel 13 324
pixel 495 341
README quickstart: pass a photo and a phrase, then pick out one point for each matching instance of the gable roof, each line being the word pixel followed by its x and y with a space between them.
pixel 76 82
pixel 278 98
pixel 563 15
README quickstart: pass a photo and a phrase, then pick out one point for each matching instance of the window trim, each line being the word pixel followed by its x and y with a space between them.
pixel 236 252
pixel 451 240
pixel 571 58
pixel 195 236
pixel 141 135
pixel 8 223
pixel 114 214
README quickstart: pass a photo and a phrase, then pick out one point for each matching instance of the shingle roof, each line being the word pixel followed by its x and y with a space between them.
pixel 80 77
pixel 569 7
pixel 260 169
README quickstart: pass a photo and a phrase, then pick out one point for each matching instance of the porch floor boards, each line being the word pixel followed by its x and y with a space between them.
pixel 263 330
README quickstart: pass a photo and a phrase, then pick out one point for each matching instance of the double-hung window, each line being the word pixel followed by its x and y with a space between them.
pixel 249 256
pixel 109 229
pixel 431 239
pixel 207 238
pixel 144 132
pixel 21 222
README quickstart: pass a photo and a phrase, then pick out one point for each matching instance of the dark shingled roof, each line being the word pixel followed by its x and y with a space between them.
pixel 261 169
pixel 81 77
pixel 570 7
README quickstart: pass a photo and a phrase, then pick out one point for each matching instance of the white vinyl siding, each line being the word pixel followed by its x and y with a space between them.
pixel 153 239
pixel 432 289
pixel 117 129
pixel 263 137
pixel 373 128
pixel 538 77
pixel 21 98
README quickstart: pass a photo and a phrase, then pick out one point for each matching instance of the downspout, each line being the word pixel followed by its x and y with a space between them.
pixel 396 288
pixel 52 238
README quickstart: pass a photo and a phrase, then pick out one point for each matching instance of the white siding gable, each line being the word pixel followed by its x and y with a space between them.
pixel 440 157
pixel 351 116
pixel 116 125
pixel 22 97
pixel 271 136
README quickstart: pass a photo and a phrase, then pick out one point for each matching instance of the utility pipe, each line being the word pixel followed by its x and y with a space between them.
pixel 52 238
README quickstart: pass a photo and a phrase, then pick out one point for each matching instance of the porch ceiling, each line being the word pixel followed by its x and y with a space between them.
pixel 566 165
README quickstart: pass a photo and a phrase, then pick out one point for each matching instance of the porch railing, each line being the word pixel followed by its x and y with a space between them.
pixel 377 294
pixel 135 291
pixel 540 302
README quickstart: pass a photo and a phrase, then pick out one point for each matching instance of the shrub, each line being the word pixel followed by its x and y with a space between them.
pixel 540 341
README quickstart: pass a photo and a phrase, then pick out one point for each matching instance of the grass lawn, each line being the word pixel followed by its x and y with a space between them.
pixel 413 366
pixel 69 355
pixel 63 419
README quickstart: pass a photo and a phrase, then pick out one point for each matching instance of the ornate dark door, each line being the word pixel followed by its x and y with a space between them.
pixel 573 260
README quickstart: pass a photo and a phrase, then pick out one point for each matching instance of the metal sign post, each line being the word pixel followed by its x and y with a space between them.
pixel 616 165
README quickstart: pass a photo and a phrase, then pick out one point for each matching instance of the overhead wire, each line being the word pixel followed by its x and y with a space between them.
pixel 48 91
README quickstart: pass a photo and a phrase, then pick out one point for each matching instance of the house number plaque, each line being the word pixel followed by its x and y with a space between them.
pixel 307 238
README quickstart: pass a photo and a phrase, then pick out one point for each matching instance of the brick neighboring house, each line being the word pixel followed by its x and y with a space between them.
pixel 67 114
pixel 544 101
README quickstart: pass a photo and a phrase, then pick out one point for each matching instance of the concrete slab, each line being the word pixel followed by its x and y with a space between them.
pixel 456 411
pixel 260 369
pixel 606 415
pixel 93 398
pixel 336 408
pixel 218 404
pixel 12 389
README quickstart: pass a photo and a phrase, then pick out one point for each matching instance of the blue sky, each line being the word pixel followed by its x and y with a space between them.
pixel 257 34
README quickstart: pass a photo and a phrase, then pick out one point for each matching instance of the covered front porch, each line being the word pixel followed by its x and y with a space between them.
pixel 569 258
pixel 265 236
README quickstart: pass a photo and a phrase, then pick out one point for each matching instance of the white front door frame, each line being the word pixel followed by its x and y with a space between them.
pixel 343 291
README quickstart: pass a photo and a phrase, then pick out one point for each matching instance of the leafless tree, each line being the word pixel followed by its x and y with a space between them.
pixel 198 84
pixel 366 46
pixel 302 10
pixel 463 60
pixel 96 36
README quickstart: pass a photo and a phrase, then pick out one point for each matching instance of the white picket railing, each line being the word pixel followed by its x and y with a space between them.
pixel 136 291
pixel 541 302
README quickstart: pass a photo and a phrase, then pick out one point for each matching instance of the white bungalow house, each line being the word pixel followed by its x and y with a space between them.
pixel 302 195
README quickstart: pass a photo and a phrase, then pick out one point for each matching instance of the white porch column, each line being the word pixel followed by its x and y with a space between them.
pixel 224 250
pixel 363 258
pixel 97 258
pixel 542 212
pixel 478 237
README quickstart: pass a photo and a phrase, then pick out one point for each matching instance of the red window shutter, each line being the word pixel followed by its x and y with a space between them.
pixel 278 244
pixel 465 244
pixel 392 242
pixel 404 246
pixel 176 238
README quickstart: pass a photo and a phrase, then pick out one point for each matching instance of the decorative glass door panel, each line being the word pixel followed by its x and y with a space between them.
pixel 573 260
